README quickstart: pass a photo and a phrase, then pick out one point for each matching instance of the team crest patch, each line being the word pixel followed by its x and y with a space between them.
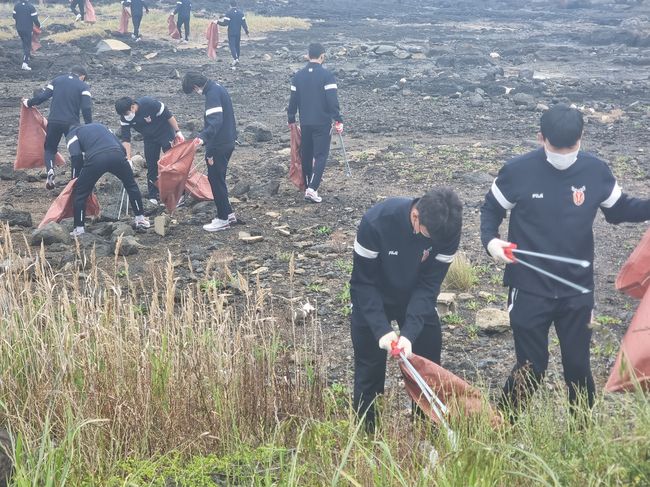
pixel 425 254
pixel 578 195
pixel 147 119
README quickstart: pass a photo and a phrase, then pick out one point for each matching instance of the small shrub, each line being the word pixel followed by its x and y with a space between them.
pixel 461 275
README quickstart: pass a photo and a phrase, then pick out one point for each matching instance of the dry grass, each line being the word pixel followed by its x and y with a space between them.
pixel 461 275
pixel 154 24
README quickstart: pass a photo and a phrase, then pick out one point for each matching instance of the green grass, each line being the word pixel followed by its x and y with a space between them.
pixel 109 381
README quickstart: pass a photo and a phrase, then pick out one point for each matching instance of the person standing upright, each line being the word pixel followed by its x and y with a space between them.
pixel 236 21
pixel 183 9
pixel 314 95
pixel 553 194
pixel 138 7
pixel 26 18
pixel 81 14
pixel 218 136
pixel 70 94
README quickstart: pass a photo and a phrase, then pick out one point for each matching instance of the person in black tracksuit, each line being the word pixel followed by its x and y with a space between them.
pixel 218 135
pixel 26 18
pixel 402 252
pixel 138 7
pixel 314 94
pixel 183 9
pixel 70 94
pixel 95 150
pixel 553 194
pixel 236 21
pixel 81 15
pixel 158 127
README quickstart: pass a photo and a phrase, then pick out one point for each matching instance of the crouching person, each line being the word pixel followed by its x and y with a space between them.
pixel 94 151
pixel 402 252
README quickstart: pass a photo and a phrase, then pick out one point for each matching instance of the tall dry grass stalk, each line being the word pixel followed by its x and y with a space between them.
pixel 146 367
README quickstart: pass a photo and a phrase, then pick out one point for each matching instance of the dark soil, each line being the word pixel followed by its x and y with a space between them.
pixel 453 121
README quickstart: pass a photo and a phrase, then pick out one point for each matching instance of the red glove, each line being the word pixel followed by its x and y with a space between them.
pixel 338 126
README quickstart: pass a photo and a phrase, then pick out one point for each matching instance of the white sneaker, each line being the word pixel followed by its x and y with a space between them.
pixel 217 225
pixel 78 18
pixel 132 36
pixel 232 218
pixel 49 184
pixel 25 67
pixel 77 231
pixel 141 221
pixel 312 195
pixel 153 201
pixel 234 62
pixel 138 39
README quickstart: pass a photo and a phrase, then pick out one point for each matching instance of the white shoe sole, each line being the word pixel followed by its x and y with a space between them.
pixel 211 229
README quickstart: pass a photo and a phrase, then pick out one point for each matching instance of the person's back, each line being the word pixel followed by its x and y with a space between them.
pixel 70 95
pixel 94 139
pixel 23 14
pixel 183 8
pixel 312 84
pixel 236 22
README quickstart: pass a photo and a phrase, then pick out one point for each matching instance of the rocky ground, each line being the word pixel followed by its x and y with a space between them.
pixel 433 93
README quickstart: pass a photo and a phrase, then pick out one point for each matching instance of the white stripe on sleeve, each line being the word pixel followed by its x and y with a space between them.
pixel 244 17
pixel 613 197
pixel 34 14
pixel 72 141
pixel 330 86
pixel 162 109
pixel 49 87
pixel 124 124
pixel 86 93
pixel 447 259
pixel 503 201
pixel 226 18
pixel 293 88
pixel 213 110
pixel 364 252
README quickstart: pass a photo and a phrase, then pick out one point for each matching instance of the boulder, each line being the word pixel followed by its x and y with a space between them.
pixel 384 50
pixel 113 45
pixel 476 100
pixel 401 54
pixel 204 207
pixel 128 246
pixel 524 99
pixel 88 241
pixel 259 132
pixel 446 304
pixel 15 217
pixel 270 188
pixel 161 224
pixel 122 230
pixel 6 172
pixel 492 320
pixel 50 234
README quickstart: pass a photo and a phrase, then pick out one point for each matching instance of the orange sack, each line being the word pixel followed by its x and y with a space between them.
pixel 36 38
pixel 198 186
pixel 634 354
pixel 30 151
pixel 295 167
pixel 89 16
pixel 171 26
pixel 173 170
pixel 634 277
pixel 212 35
pixel 461 399
pixel 124 22
pixel 62 207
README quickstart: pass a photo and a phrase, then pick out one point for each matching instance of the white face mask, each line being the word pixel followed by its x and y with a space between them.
pixel 561 161
pixel 129 117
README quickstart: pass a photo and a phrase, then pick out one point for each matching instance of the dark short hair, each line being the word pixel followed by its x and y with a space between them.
pixel 192 79
pixel 441 212
pixel 79 71
pixel 123 105
pixel 315 50
pixel 562 126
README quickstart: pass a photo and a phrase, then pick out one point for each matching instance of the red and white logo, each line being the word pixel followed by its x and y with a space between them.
pixel 147 119
pixel 425 254
pixel 578 195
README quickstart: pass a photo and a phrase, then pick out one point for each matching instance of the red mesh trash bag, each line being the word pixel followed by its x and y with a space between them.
pixel 634 354
pixel 198 186
pixel 62 208
pixel 212 35
pixel 36 38
pixel 173 170
pixel 461 399
pixel 124 22
pixel 295 168
pixel 171 26
pixel 30 152
pixel 89 15
pixel 634 277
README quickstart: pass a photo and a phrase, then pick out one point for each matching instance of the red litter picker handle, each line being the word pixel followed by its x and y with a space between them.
pixel 509 251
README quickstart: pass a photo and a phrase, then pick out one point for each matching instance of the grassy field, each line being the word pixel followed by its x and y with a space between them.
pixel 154 24
pixel 108 380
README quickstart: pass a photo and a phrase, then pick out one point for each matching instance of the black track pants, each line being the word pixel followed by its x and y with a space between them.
pixel 234 42
pixel 152 149
pixel 95 168
pixel 217 177
pixel 370 360
pixel 26 40
pixel 186 22
pixel 314 149
pixel 53 134
pixel 531 317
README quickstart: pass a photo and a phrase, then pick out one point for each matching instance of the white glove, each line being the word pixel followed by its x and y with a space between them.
pixel 130 163
pixel 495 249
pixel 404 344
pixel 387 340
pixel 198 141
pixel 25 103
pixel 179 136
